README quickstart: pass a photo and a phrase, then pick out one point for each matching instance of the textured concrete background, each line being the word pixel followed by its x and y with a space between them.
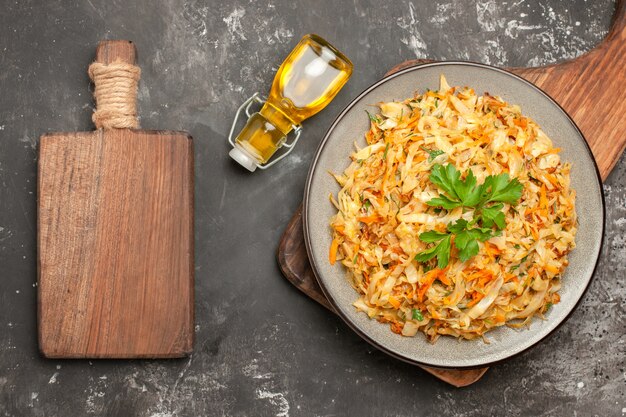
pixel 262 348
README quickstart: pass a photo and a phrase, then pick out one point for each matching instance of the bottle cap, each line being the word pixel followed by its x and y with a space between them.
pixel 243 158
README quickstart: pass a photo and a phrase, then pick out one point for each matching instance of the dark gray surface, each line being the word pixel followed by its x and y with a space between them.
pixel 263 349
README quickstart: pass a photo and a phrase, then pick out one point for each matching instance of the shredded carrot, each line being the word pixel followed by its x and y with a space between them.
pixel 413 120
pixel 419 158
pixel 444 279
pixel 476 297
pixel 493 248
pixel 534 233
pixel 489 252
pixel 530 211
pixel 521 122
pixel 500 318
pixel 479 274
pixel 485 279
pixel 397 327
pixel 510 277
pixel 394 302
pixel 429 278
pixel 388 172
pixel 332 256
pixel 551 268
pixel 372 218
pixel 553 180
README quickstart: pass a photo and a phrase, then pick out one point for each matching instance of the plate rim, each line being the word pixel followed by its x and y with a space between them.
pixel 307 237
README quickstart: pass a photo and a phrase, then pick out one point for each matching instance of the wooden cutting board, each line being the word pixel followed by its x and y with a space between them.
pixel 590 88
pixel 115 240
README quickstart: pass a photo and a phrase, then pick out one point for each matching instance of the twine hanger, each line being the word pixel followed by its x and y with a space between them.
pixel 115 94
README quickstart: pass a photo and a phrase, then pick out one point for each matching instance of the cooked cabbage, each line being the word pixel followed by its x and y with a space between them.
pixel 381 210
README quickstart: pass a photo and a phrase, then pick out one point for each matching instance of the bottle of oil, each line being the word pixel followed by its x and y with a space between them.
pixel 305 83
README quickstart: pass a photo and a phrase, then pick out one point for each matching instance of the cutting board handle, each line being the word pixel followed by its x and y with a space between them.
pixel 115 77
pixel 110 51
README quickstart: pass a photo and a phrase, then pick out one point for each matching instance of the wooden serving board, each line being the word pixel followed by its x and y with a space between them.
pixel 590 88
pixel 115 240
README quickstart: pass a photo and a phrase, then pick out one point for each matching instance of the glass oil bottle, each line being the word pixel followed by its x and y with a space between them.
pixel 305 83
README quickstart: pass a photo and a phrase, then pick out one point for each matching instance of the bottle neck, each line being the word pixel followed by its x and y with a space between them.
pixel 276 117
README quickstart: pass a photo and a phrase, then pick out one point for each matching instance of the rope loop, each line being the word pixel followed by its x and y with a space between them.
pixel 115 94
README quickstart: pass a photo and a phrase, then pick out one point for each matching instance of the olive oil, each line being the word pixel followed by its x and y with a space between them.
pixel 305 83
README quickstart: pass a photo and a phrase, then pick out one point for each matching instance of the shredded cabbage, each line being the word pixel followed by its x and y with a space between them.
pixel 381 210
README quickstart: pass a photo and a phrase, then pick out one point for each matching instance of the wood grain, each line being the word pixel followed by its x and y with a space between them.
pixel 115 240
pixel 589 88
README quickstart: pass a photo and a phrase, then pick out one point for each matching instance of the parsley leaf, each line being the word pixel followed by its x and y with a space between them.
pixel 444 202
pixel 467 241
pixel 469 250
pixel 446 178
pixel 493 215
pixel 460 193
pixel 458 226
pixel 432 236
pixel 432 154
pixel 467 190
pixel 498 188
pixel 467 193
pixel 441 250
pixel 417 315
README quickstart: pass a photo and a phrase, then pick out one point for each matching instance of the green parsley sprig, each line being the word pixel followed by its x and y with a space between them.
pixel 487 200
pixel 465 239
pixel 467 193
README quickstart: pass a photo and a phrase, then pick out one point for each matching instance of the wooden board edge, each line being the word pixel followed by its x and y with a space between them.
pixel 294 228
pixel 457 378
pixel 187 348
pixel 136 131
pixel 82 355
pixel 40 339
